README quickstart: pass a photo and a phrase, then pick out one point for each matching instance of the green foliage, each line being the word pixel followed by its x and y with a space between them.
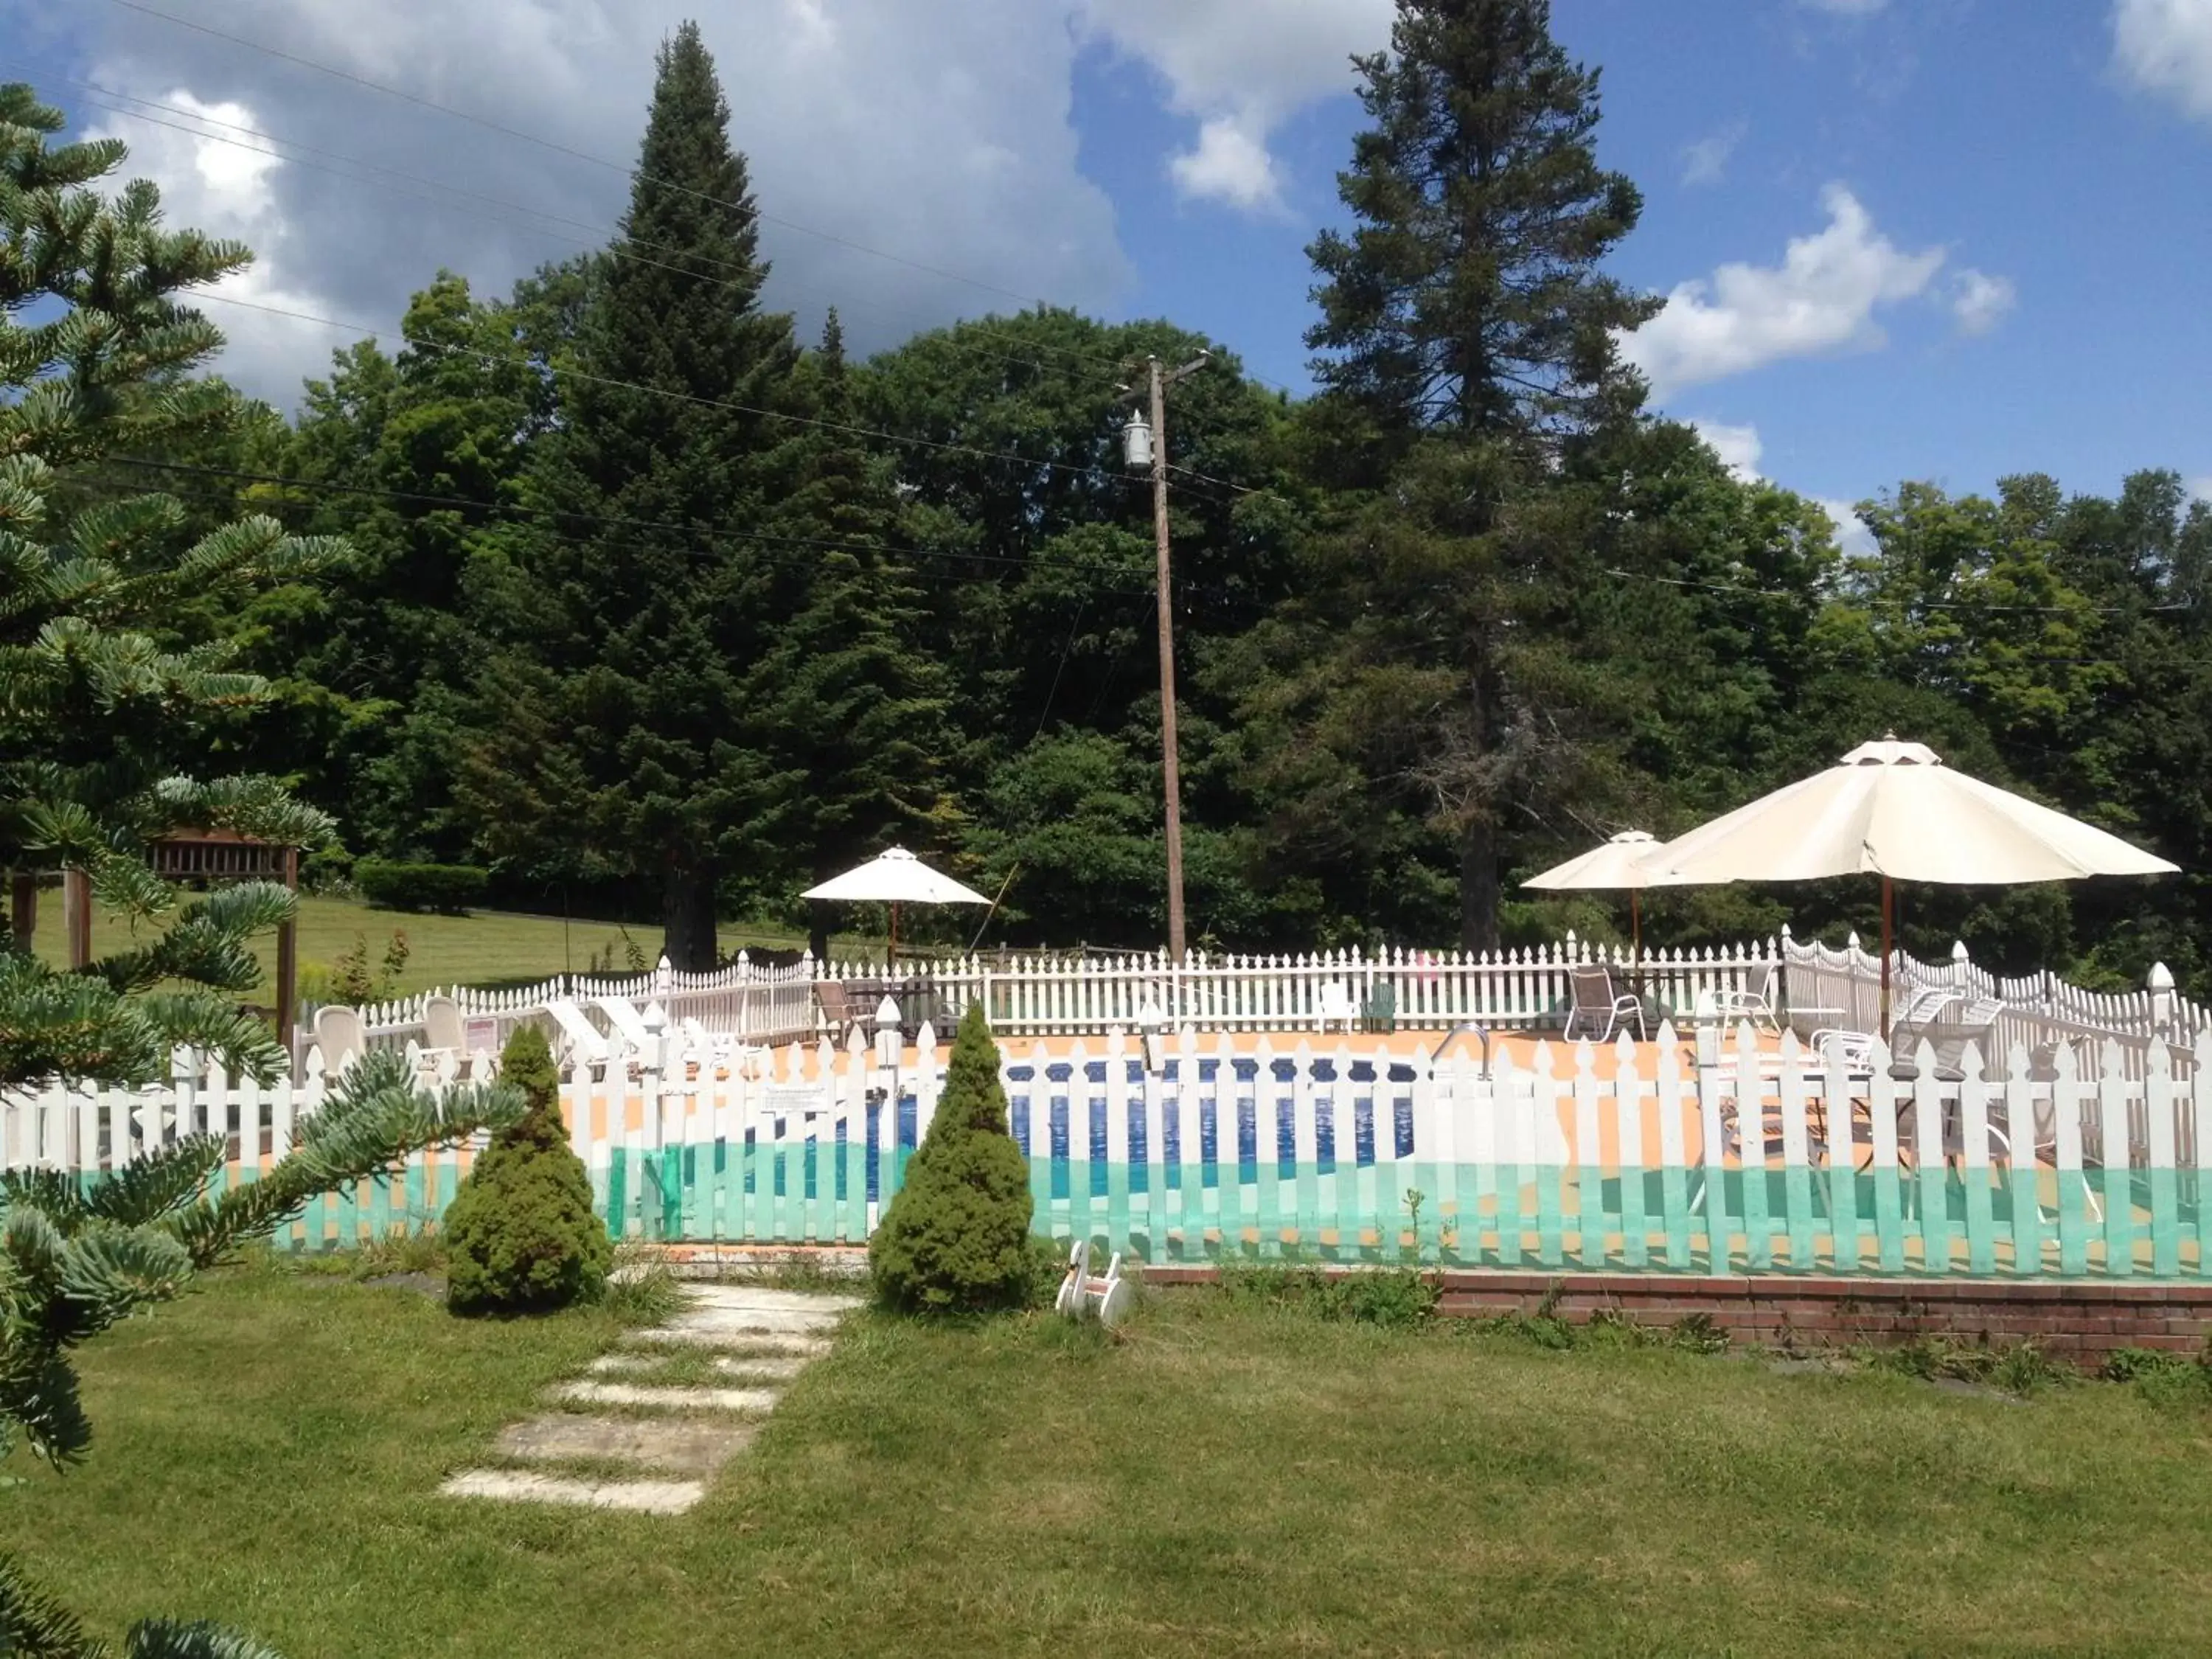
pixel 449 889
pixel 521 1236
pixel 641 1288
pixel 956 1237
pixel 113 672
pixel 1392 1297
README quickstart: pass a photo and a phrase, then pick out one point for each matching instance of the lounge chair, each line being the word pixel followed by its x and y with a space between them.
pixel 1596 1004
pixel 1755 1002
pixel 1336 1007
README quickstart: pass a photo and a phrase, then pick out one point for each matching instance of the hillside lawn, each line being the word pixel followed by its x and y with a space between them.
pixel 485 947
pixel 1228 1479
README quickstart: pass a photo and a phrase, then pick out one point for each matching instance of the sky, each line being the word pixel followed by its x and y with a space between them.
pixel 1942 239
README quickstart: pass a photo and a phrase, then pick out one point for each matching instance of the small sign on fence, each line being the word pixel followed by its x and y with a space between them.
pixel 481 1037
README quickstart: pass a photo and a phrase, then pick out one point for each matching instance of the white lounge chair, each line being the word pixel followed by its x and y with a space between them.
pixel 1337 1006
pixel 1596 1004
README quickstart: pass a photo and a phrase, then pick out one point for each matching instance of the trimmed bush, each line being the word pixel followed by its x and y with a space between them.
pixel 450 888
pixel 521 1237
pixel 956 1237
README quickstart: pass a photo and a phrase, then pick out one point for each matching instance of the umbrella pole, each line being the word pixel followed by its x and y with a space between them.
pixel 1885 957
pixel 891 951
pixel 1635 933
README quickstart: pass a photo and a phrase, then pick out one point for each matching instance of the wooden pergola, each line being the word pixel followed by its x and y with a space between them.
pixel 199 857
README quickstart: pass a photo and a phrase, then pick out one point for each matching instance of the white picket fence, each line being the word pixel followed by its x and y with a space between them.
pixel 1724 1156
pixel 746 1002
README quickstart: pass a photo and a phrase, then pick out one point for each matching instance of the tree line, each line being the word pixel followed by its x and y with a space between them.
pixel 646 605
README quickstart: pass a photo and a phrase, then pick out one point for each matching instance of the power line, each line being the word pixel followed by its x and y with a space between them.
pixel 606 238
pixel 1745 591
pixel 936 445
pixel 1136 581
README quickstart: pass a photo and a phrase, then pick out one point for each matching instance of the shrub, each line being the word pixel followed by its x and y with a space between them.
pixel 956 1237
pixel 451 888
pixel 521 1236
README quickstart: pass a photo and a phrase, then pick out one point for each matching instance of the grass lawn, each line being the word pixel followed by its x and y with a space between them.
pixel 1228 1479
pixel 483 948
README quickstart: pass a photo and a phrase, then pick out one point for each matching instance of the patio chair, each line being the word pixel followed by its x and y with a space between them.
pixel 1755 1002
pixel 1380 1016
pixel 1336 1006
pixel 835 999
pixel 1596 1004
pixel 445 1049
pixel 339 1035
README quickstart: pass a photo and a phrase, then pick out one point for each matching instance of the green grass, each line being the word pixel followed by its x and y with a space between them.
pixel 483 948
pixel 1230 1478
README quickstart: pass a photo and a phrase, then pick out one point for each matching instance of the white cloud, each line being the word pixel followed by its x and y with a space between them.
pixel 1738 446
pixel 940 130
pixel 1228 165
pixel 1853 535
pixel 1979 301
pixel 1241 69
pixel 232 193
pixel 1822 298
pixel 1705 163
pixel 2164 48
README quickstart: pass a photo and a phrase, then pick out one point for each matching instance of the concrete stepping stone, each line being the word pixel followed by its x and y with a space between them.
pixel 728 1325
pixel 679 1446
pixel 764 1297
pixel 793 1350
pixel 675 1398
pixel 765 1369
pixel 524 1486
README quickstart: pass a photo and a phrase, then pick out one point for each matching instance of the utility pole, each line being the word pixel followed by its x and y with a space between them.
pixel 1143 444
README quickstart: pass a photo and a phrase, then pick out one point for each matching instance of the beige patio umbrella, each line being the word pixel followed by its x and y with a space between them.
pixel 896 877
pixel 1894 809
pixel 1614 866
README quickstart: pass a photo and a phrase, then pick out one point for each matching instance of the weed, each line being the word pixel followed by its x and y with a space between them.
pixel 2019 1368
pixel 642 1289
pixel 1392 1297
pixel 400 1251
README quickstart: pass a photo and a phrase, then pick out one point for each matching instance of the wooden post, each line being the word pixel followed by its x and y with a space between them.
pixel 287 954
pixel 1170 766
pixel 77 915
pixel 23 907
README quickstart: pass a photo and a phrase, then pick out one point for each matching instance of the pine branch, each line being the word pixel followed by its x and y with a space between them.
pixel 33 1625
pixel 168 1638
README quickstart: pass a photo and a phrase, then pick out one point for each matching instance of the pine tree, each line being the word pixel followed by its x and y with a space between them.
pixel 111 672
pixel 113 665
pixel 1468 337
pixel 521 1233
pixel 856 701
pixel 667 419
pixel 957 1236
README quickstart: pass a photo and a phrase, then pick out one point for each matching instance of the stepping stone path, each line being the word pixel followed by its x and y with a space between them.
pixel 675 1435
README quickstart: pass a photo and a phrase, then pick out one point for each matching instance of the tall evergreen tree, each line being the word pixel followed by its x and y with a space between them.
pixel 113 666
pixel 854 698
pixel 645 633
pixel 1467 338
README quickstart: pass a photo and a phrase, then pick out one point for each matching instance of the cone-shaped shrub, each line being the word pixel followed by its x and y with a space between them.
pixel 521 1237
pixel 956 1237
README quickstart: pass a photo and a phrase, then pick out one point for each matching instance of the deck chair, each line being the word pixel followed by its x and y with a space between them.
pixel 1755 1002
pixel 835 1001
pixel 339 1035
pixel 445 1049
pixel 1336 1006
pixel 1596 1006
pixel 1380 1016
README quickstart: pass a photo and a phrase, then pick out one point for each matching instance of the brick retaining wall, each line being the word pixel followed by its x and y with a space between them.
pixel 2080 1322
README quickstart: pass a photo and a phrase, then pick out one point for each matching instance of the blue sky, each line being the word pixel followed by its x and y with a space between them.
pixel 1929 239
pixel 2000 136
